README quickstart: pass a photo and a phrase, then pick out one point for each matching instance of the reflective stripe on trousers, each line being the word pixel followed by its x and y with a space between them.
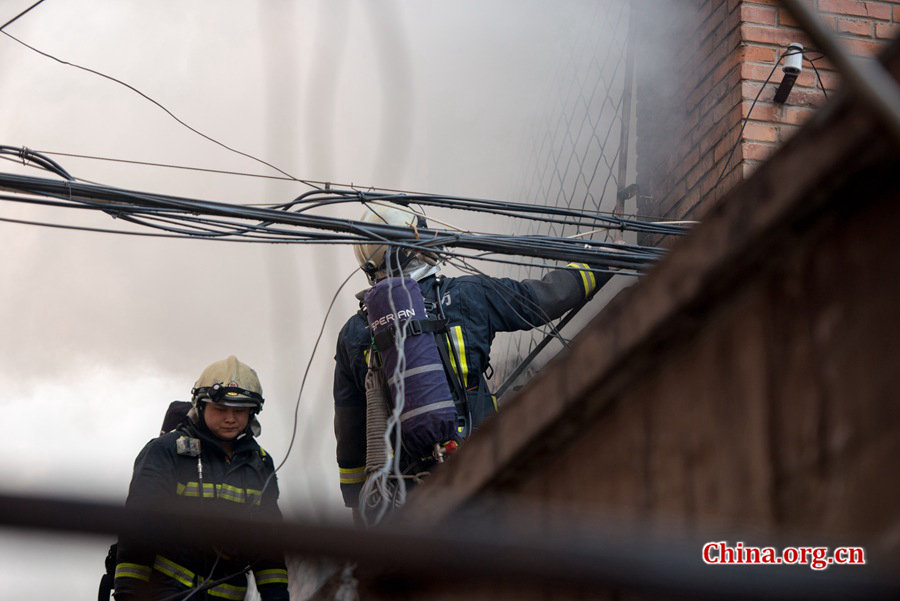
pixel 189 579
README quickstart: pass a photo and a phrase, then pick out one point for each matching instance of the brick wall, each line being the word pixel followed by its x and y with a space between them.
pixel 698 82
pixel 745 389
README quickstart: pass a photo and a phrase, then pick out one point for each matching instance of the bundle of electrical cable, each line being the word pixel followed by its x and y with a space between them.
pixel 295 222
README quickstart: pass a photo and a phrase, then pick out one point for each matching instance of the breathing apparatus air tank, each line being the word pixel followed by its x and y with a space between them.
pixel 411 364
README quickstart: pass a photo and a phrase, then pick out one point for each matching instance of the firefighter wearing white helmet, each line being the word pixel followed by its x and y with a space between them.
pixel 463 315
pixel 211 460
pixel 227 383
pixel 380 260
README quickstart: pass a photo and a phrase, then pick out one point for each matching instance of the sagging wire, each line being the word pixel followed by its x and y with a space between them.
pixel 36 159
pixel 304 378
pixel 180 167
pixel 348 231
pixel 21 14
pixel 790 51
pixel 207 583
pixel 164 109
pixel 505 292
pixel 812 63
pixel 523 365
pixel 380 492
pixel 542 213
pixel 324 184
pixel 385 487
pixel 121 202
pixel 522 245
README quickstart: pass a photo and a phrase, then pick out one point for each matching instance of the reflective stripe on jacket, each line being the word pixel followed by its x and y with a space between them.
pixel 476 308
pixel 164 478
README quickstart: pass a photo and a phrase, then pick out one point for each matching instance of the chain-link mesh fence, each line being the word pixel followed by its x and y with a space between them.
pixel 579 155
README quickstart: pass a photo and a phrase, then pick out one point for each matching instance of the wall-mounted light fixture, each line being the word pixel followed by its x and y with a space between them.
pixel 793 64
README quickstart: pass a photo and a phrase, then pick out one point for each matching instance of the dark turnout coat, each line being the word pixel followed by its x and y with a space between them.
pixel 166 475
pixel 476 307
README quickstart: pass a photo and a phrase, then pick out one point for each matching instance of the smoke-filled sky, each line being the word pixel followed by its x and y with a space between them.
pixel 101 331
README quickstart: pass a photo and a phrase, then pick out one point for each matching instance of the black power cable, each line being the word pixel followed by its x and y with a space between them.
pixel 14 19
pixel 30 156
pixel 207 219
pixel 786 53
pixel 166 110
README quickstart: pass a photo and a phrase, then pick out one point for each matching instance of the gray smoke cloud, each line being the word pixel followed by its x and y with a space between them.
pixel 101 331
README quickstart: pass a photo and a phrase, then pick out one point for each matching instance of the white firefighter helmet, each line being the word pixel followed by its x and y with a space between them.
pixel 229 382
pixel 372 257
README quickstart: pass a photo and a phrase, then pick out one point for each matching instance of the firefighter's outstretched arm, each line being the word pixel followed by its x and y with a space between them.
pixel 564 289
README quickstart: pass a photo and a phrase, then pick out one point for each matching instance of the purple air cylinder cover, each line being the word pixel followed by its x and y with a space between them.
pixel 429 413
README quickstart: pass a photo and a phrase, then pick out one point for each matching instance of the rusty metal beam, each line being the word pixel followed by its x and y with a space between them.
pixel 578 556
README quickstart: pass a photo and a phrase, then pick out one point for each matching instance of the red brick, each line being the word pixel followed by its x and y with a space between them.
pixel 758 54
pixel 896 13
pixel 760 72
pixel 798 97
pixel 711 179
pixel 887 30
pixel 760 132
pixel 778 36
pixel 830 79
pixel 749 167
pixel 785 19
pixel 862 47
pixel 758 152
pixel 785 132
pixel 875 10
pixel 805 97
pixel 723 148
pixel 796 114
pixel 694 175
pixel 758 14
pixel 763 111
pixel 854 26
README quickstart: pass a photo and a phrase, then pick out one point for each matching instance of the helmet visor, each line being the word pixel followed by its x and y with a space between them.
pixel 230 396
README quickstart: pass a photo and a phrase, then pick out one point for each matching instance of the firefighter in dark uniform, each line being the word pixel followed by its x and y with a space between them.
pixel 211 460
pixel 475 308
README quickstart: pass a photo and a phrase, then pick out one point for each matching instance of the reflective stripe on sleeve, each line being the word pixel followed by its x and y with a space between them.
pixel 352 475
pixel 276 576
pixel 587 277
pixel 133 570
